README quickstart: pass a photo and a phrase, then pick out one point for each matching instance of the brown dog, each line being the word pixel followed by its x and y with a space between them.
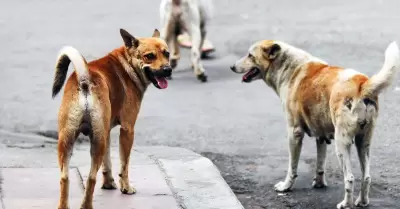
pixel 100 95
pixel 325 102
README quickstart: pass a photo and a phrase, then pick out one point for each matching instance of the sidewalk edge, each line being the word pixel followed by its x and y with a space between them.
pixel 194 180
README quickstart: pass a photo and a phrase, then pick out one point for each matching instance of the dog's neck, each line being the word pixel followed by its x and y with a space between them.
pixel 280 71
pixel 133 67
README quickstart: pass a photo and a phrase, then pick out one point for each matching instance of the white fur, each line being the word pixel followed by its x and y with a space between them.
pixel 77 60
pixel 301 54
pixel 385 76
pixel 193 12
pixel 346 74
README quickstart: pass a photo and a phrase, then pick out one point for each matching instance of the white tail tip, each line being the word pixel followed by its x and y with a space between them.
pixel 392 54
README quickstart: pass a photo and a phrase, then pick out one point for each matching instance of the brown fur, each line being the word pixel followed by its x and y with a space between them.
pixel 113 90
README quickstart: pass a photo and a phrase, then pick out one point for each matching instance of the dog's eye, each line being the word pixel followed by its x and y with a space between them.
pixel 166 54
pixel 150 56
pixel 251 56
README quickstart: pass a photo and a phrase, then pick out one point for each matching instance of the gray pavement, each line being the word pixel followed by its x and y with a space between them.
pixel 240 127
pixel 164 177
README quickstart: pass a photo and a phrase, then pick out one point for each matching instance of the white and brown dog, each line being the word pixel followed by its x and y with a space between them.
pixel 191 16
pixel 323 101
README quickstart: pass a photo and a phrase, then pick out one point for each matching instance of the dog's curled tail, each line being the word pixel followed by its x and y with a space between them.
pixel 67 55
pixel 384 78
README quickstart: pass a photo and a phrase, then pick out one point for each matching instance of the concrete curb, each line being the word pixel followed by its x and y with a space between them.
pixel 194 180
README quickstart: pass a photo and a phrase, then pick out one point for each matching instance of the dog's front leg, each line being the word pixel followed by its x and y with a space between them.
pixel 363 146
pixel 176 55
pixel 125 145
pixel 195 33
pixel 168 34
pixel 343 141
pixel 295 137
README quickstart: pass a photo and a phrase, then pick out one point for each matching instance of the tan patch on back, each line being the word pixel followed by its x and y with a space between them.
pixel 317 83
pixel 309 98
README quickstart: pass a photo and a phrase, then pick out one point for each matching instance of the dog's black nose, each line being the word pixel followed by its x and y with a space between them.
pixel 233 68
pixel 166 68
pixel 166 71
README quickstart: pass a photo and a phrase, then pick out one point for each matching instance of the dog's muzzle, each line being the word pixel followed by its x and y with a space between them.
pixel 165 71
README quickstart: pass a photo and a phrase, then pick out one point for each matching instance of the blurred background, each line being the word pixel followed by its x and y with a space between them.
pixel 240 127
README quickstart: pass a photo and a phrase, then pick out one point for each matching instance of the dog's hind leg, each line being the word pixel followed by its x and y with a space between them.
pixel 108 179
pixel 362 143
pixel 295 136
pixel 97 150
pixel 343 142
pixel 100 122
pixel 66 141
pixel 319 178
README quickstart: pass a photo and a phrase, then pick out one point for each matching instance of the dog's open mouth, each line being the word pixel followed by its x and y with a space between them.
pixel 162 83
pixel 248 77
pixel 158 78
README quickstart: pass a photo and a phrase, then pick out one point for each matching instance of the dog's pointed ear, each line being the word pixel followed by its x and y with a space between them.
pixel 272 51
pixel 156 33
pixel 129 40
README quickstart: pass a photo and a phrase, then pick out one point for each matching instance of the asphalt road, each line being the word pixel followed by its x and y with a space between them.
pixel 239 126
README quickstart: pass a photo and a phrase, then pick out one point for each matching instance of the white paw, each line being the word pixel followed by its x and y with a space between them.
pixel 283 186
pixel 344 205
pixel 362 202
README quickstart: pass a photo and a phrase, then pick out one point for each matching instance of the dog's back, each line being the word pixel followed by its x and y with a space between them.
pixel 90 81
pixel 321 95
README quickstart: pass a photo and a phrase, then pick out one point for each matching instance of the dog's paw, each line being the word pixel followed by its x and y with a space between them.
pixel 63 206
pixel 283 187
pixel 82 207
pixel 86 206
pixel 344 205
pixel 202 77
pixel 362 202
pixel 173 63
pixel 129 190
pixel 319 183
pixel 109 186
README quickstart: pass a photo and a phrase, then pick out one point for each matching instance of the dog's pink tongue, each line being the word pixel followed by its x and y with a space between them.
pixel 162 82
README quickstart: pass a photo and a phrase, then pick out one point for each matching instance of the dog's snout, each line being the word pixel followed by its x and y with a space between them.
pixel 233 68
pixel 166 68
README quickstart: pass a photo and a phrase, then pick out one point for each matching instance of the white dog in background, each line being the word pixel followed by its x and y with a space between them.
pixel 189 16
